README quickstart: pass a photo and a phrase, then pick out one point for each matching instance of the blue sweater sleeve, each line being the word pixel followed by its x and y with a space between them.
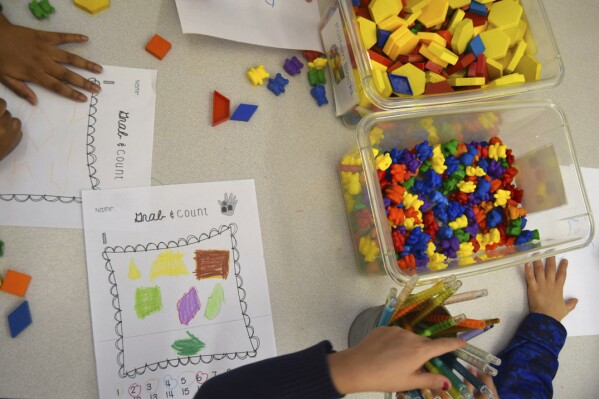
pixel 529 362
pixel 299 375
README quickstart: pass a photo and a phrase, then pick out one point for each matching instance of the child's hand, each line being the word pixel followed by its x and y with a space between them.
pixel 29 55
pixel 485 379
pixel 10 131
pixel 546 288
pixel 389 359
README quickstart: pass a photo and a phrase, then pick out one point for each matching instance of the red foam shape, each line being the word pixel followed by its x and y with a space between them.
pixel 220 108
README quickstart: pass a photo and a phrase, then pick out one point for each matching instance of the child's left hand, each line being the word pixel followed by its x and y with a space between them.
pixel 29 55
pixel 546 288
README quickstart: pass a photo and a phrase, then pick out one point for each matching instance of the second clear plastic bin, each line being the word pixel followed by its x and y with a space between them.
pixel 538 134
pixel 340 13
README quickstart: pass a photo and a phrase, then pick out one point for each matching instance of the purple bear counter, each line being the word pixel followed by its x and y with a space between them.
pixel 292 148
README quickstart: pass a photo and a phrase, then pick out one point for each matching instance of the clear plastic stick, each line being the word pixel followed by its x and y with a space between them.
pixel 476 362
pixel 467 296
pixel 483 354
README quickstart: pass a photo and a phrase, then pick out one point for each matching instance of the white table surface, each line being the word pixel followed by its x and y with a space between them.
pixel 291 148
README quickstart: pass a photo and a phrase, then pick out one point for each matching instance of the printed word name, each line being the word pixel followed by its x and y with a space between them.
pixel 104 209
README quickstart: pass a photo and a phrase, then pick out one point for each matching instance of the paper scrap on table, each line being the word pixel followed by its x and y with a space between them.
pixel 273 23
pixel 583 271
pixel 177 285
pixel 105 142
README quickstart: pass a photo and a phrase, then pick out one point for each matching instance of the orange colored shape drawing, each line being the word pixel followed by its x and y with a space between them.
pixel 211 264
pixel 15 283
pixel 158 46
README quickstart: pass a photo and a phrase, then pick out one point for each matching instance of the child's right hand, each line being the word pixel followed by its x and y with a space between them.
pixel 10 131
pixel 546 288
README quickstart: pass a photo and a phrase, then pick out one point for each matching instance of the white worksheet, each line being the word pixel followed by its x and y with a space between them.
pixel 583 271
pixel 177 285
pixel 105 142
pixel 291 24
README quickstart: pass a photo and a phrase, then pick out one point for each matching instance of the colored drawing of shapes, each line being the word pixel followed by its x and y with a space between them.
pixel 188 346
pixel 188 306
pixel 215 302
pixel 148 300
pixel 168 263
pixel 134 272
pixel 211 264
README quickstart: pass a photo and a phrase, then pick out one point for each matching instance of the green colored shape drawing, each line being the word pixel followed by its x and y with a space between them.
pixel 188 346
pixel 134 272
pixel 148 300
pixel 215 302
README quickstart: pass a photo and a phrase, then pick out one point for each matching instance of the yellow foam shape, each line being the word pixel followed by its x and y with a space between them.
pixel 378 65
pixel 516 34
pixel 496 43
pixel 432 77
pixel 434 13
pixel 477 30
pixel 393 37
pixel 363 99
pixel 462 35
pixel 424 50
pixel 416 77
pixel 495 69
pixel 455 81
pixel 382 82
pixel 392 23
pixel 413 17
pixel 443 53
pixel 404 45
pixel 506 60
pixel 428 37
pixel 92 6
pixel 487 1
pixel 415 5
pixel 456 18
pixel 516 57
pixel 134 272
pixel 367 31
pixel 530 67
pixel 505 14
pixel 168 263
pixel 383 9
pixel 507 80
pixel 458 3
pixel 459 74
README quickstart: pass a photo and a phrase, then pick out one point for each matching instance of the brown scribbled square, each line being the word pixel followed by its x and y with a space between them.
pixel 211 264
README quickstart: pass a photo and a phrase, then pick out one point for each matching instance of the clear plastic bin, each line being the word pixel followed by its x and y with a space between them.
pixel 535 130
pixel 340 12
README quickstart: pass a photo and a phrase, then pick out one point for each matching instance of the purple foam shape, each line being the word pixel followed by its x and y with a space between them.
pixel 188 306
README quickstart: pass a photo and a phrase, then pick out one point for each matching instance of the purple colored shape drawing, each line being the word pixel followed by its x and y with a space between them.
pixel 188 306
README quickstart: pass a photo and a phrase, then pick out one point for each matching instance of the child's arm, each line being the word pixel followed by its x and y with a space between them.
pixel 530 360
pixel 10 131
pixel 388 359
pixel 29 55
